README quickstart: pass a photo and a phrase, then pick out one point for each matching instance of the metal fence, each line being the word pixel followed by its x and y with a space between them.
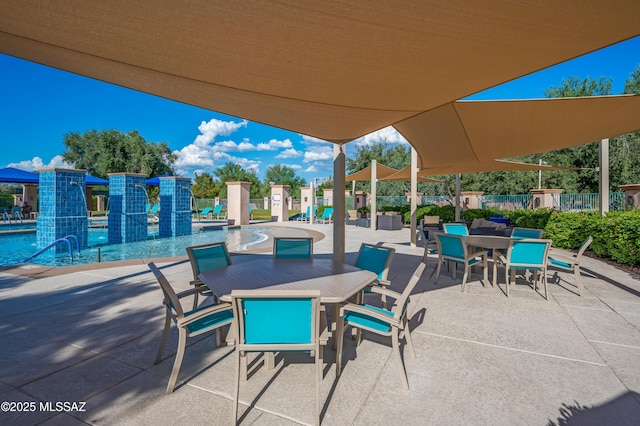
pixel 587 202
pixel 507 202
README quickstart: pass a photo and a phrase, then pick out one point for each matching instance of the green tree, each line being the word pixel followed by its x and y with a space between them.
pixel 205 186
pixel 111 151
pixel 283 175
pixel 232 172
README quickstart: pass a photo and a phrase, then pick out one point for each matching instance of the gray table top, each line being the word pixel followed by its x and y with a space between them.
pixel 488 241
pixel 336 281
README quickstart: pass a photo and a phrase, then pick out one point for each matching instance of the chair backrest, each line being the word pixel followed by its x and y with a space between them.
pixel 293 247
pixel 375 259
pixel 431 221
pixel 401 304
pixel 328 212
pixel 217 209
pixel 170 297
pixel 353 214
pixel 147 207
pixel 205 211
pixel 456 229
pixel 585 245
pixel 206 257
pixel 308 212
pixel 16 211
pixel 530 252
pixel 250 208
pixel 526 233
pixel 423 236
pixel 282 320
pixel 155 209
pixel 451 246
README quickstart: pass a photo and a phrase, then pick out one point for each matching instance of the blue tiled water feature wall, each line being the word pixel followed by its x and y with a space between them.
pixel 175 206
pixel 63 209
pixel 127 208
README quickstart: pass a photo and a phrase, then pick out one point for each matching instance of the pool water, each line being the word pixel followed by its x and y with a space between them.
pixel 17 247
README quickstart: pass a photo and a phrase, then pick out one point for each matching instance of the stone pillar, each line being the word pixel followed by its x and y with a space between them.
pixel 472 199
pixel 631 195
pixel 175 206
pixel 418 196
pixel 265 203
pixel 238 202
pixel 63 209
pixel 280 203
pixel 127 208
pixel 546 198
pixel 290 203
pixel 305 199
pixel 360 199
pixel 327 196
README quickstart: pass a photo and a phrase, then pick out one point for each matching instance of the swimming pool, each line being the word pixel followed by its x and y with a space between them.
pixel 17 247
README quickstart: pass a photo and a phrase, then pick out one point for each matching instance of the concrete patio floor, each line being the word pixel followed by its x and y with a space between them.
pixel 482 358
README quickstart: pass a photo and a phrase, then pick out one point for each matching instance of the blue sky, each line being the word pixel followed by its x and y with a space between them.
pixel 41 104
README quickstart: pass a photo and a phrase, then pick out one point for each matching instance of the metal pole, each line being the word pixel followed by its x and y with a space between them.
pixel 414 195
pixel 374 187
pixel 457 199
pixel 338 203
pixel 603 160
pixel 540 175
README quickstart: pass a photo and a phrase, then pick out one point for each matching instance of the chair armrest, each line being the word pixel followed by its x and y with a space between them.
pixel 189 292
pixel 381 282
pixel 483 253
pixel 203 313
pixel 352 307
pixel 572 259
pixel 324 330
pixel 386 292
pixel 231 336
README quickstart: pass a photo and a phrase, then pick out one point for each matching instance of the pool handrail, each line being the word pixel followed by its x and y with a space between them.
pixel 66 239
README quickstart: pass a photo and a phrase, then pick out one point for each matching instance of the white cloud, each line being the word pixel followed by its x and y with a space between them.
pixel 274 144
pixel 214 127
pixel 311 169
pixel 388 135
pixel 37 163
pixel 319 153
pixel 289 153
pixel 294 166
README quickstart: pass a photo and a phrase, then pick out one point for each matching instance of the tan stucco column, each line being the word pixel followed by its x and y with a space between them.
pixel 238 202
pixel 280 202
pixel 327 196
pixel 545 197
pixel 472 199
pixel 305 199
pixel 631 195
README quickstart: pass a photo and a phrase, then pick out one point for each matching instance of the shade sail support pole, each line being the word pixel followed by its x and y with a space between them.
pixel 374 187
pixel 457 198
pixel 414 195
pixel 603 166
pixel 339 202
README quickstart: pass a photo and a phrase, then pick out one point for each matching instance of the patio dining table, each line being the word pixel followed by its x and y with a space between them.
pixel 490 242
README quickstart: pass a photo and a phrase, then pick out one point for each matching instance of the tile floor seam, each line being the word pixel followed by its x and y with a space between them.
pixel 614 344
pixel 514 349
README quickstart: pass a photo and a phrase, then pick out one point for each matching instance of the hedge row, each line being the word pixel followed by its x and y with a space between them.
pixel 616 235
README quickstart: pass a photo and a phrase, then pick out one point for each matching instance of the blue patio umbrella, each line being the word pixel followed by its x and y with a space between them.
pixel 12 175
pixel 155 181
pixel 96 181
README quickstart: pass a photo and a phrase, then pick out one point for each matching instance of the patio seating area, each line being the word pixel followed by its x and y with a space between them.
pixel 92 336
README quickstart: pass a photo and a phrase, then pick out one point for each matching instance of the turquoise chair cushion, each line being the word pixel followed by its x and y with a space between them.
pixel 269 321
pixel 560 264
pixel 373 259
pixel 526 233
pixel 293 249
pixel 357 318
pixel 210 321
pixel 529 253
pixel 209 258
pixel 451 246
pixel 457 229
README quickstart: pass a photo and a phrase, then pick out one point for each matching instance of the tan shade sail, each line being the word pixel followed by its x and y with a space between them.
pixel 405 174
pixel 334 70
pixel 466 132
pixel 365 174
pixel 489 166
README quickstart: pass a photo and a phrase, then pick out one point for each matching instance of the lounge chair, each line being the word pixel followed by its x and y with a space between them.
pixel 251 211
pixel 305 216
pixel 277 321
pixel 392 322
pixel 189 323
pixel 557 260
pixel 217 212
pixel 204 258
pixel 205 213
pixel 293 247
pixel 529 254
pixel 452 248
pixel 327 215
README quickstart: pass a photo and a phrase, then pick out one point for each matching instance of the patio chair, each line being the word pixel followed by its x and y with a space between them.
pixel 205 213
pixel 392 322
pixel 147 207
pixel 452 248
pixel 305 216
pixel 430 246
pixel 277 321
pixel 217 212
pixel 570 264
pixel 190 323
pixel 526 233
pixel 293 247
pixel 529 254
pixel 204 258
pixel 352 216
pixel 251 211
pixel 327 215
pixel 456 229
pixel 375 259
